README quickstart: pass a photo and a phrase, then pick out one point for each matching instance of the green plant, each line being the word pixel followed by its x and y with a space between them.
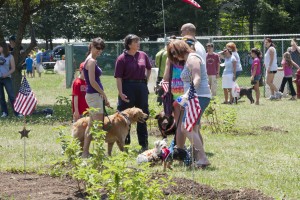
pixel 219 119
pixel 63 108
pixel 114 176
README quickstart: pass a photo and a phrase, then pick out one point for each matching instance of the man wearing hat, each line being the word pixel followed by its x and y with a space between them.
pixel 212 67
pixel 79 105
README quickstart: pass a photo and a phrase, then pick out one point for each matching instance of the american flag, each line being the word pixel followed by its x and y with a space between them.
pixel 192 2
pixel 193 109
pixel 165 85
pixel 25 102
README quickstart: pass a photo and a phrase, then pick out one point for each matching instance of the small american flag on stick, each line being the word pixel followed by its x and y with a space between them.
pixel 25 102
pixel 193 109
pixel 165 85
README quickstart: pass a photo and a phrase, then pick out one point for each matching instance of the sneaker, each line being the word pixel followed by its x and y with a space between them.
pixel 272 97
pixel 293 98
pixel 4 114
pixel 278 95
pixel 20 115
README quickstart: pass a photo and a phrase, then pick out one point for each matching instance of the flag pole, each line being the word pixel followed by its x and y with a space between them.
pixel 164 22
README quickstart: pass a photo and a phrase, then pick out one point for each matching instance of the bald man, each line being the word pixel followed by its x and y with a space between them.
pixel 190 29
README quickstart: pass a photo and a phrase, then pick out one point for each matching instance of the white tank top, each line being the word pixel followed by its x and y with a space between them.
pixel 268 59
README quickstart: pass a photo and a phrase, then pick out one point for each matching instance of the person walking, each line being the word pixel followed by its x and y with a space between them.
pixel 190 29
pixel 212 68
pixel 132 72
pixel 270 63
pixel 287 66
pixel 194 70
pixel 256 72
pixel 95 96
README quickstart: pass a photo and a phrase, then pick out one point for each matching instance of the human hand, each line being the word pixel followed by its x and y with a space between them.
pixel 124 98
pixel 233 78
pixel 76 116
pixel 218 76
pixel 268 70
pixel 252 78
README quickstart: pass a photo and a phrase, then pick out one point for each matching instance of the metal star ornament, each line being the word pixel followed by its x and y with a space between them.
pixel 24 133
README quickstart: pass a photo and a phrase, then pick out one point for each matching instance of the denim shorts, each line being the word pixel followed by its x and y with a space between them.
pixel 257 77
pixel 204 102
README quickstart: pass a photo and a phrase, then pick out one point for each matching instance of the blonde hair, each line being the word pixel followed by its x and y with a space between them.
pixel 288 58
pixel 180 48
pixel 232 46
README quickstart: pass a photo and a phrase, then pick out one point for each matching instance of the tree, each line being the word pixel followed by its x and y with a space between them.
pixel 25 9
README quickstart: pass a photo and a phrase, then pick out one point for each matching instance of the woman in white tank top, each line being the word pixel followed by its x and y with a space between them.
pixel 270 63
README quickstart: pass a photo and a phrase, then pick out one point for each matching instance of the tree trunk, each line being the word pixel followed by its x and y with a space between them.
pixel 251 27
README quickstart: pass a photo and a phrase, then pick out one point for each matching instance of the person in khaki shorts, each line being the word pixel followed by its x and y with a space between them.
pixel 95 96
pixel 212 67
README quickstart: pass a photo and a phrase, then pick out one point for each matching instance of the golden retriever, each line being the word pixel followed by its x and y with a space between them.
pixel 116 125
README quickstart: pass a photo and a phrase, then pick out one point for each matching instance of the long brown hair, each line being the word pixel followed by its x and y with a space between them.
pixel 257 52
pixel 96 42
pixel 177 48
pixel 288 58
pixel 270 41
pixel 4 46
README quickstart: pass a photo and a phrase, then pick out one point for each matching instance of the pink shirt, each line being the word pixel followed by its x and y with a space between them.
pixel 212 62
pixel 256 62
pixel 286 68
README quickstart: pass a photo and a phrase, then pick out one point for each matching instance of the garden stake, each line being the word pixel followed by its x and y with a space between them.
pixel 24 133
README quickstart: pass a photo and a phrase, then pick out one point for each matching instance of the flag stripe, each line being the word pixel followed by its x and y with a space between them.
pixel 25 102
pixel 193 109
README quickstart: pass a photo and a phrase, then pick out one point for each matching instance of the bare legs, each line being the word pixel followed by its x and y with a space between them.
pixel 226 91
pixel 257 92
pixel 88 136
pixel 270 79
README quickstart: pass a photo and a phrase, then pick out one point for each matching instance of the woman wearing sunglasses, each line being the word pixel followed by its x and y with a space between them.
pixel 194 70
pixel 229 74
pixel 95 96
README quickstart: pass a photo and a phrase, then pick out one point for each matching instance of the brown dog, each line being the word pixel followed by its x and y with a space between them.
pixel 116 125
pixel 166 125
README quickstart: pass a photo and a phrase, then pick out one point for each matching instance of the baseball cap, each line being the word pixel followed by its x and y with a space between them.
pixel 81 66
pixel 12 38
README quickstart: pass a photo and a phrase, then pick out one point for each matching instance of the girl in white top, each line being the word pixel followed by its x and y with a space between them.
pixel 270 63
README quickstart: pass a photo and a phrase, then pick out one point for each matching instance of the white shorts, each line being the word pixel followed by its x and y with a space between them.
pixel 227 81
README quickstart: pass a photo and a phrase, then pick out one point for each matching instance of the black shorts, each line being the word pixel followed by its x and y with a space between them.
pixel 273 72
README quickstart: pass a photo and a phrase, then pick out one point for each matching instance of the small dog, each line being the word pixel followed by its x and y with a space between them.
pixel 116 125
pixel 245 91
pixel 159 152
pixel 159 91
pixel 166 125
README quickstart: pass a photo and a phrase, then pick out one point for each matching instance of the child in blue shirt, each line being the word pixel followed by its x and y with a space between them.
pixel 29 62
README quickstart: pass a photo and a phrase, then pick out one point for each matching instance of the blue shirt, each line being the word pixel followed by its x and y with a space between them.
pixel 29 63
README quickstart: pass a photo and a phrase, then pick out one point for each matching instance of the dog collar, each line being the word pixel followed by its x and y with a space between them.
pixel 126 118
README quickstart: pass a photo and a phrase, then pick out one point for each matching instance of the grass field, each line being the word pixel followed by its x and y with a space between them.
pixel 264 154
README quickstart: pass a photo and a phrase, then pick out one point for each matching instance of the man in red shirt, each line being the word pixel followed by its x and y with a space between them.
pixel 79 105
pixel 212 67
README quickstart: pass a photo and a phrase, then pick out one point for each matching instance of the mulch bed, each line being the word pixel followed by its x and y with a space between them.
pixel 40 187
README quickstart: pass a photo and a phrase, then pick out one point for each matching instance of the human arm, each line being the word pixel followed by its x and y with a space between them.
pixel 218 70
pixel 90 66
pixel 76 114
pixel 166 76
pixel 120 90
pixel 12 67
pixel 254 71
pixel 295 65
pixel 234 69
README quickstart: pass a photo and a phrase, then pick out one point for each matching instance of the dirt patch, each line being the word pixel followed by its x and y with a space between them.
pixel 191 189
pixel 45 187
pixel 273 129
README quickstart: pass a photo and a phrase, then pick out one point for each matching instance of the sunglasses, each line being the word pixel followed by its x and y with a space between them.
pixel 99 48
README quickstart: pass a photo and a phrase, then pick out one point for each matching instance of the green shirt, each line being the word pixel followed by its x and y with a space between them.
pixel 160 61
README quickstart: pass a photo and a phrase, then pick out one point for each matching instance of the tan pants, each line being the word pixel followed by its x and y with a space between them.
pixel 213 83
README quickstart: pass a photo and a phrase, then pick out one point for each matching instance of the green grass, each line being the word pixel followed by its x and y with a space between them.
pixel 250 158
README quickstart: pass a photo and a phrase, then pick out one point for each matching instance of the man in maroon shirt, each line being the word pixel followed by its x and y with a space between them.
pixel 132 72
pixel 213 68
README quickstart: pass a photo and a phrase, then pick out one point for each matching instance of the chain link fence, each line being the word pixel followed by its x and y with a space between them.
pixel 244 44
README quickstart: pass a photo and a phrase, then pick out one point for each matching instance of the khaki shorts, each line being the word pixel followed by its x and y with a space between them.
pixel 95 101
